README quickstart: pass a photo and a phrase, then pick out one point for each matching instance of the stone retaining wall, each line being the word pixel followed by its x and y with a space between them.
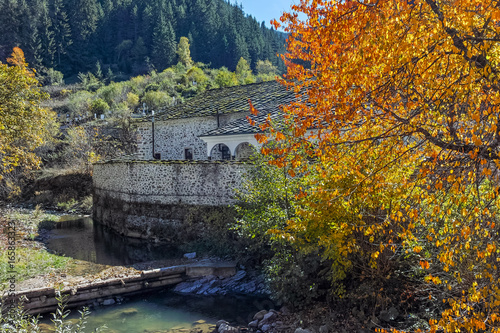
pixel 164 200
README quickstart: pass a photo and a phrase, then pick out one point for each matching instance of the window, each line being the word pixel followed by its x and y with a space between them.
pixel 188 154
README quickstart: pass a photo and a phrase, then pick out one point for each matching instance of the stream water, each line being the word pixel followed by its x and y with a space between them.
pixel 81 238
pixel 160 312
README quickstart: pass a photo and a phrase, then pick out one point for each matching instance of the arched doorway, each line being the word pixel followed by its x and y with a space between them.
pixel 220 152
pixel 243 151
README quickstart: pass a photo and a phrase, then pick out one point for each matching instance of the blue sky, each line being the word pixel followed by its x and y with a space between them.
pixel 265 10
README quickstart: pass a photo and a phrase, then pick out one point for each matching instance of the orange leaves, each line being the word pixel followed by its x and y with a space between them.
pixel 252 108
pixel 424 264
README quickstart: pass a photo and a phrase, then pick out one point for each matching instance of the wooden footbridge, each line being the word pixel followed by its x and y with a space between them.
pixel 43 300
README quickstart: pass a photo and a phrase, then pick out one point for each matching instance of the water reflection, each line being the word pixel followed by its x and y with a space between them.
pixel 82 239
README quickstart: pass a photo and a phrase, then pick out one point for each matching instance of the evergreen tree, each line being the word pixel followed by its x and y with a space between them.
pixel 164 46
pixel 61 28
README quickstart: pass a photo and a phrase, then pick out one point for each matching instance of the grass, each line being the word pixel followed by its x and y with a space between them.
pixel 32 262
pixel 31 258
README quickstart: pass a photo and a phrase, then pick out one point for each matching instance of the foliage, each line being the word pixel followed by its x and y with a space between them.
pixel 243 72
pixel 99 106
pixel 51 77
pixel 184 53
pixel 18 320
pixel 70 36
pixel 225 78
pixel 297 275
pixel 86 145
pixel 408 158
pixel 156 100
pixel 24 124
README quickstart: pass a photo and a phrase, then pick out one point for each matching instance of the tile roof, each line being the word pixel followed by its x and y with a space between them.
pixel 265 95
pixel 243 126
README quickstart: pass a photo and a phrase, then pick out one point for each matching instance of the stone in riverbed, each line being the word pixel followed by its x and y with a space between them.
pixel 220 322
pixel 253 324
pixel 226 328
pixel 259 315
pixel 129 312
pixel 265 328
pixel 191 255
pixel 108 301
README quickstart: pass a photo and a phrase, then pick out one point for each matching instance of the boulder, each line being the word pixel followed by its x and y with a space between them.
pixel 220 322
pixel 108 301
pixel 259 315
pixel 226 328
pixel 253 324
pixel 265 328
pixel 267 319
pixel 191 255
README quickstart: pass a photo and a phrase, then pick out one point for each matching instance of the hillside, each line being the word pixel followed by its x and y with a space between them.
pixel 132 36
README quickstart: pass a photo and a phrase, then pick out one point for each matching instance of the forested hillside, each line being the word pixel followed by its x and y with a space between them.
pixel 132 36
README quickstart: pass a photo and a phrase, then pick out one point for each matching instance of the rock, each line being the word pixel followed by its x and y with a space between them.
pixel 259 315
pixel 267 319
pixel 239 276
pixel 323 329
pixel 109 301
pixel 265 328
pixel 301 330
pixel 284 310
pixel 253 324
pixel 226 328
pixel 191 255
pixel 129 312
pixel 389 315
pixel 220 322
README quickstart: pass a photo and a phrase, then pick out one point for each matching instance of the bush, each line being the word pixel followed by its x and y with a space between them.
pixel 99 106
pixel 156 99
pixel 53 77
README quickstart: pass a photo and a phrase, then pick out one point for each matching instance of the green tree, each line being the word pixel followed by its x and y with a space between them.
pixel 61 28
pixel 243 72
pixel 164 45
pixel 266 71
pixel 183 52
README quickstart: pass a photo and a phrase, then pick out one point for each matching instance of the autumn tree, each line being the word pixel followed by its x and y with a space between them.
pixel 24 124
pixel 400 111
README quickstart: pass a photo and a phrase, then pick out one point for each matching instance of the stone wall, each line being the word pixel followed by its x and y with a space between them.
pixel 165 200
pixel 173 136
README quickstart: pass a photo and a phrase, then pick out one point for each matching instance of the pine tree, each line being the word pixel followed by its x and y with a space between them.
pixel 164 46
pixel 61 28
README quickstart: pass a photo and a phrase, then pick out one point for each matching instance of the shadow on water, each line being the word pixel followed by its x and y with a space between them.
pixel 81 238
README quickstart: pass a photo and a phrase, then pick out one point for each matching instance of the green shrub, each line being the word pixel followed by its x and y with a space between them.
pixel 99 106
pixel 156 99
pixel 79 103
pixel 111 93
pixel 53 77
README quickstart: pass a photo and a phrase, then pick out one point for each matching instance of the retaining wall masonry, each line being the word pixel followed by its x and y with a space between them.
pixel 161 199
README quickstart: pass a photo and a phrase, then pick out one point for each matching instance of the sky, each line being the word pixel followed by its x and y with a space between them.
pixel 265 10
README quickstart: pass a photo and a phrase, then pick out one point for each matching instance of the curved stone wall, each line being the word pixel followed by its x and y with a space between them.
pixel 161 199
